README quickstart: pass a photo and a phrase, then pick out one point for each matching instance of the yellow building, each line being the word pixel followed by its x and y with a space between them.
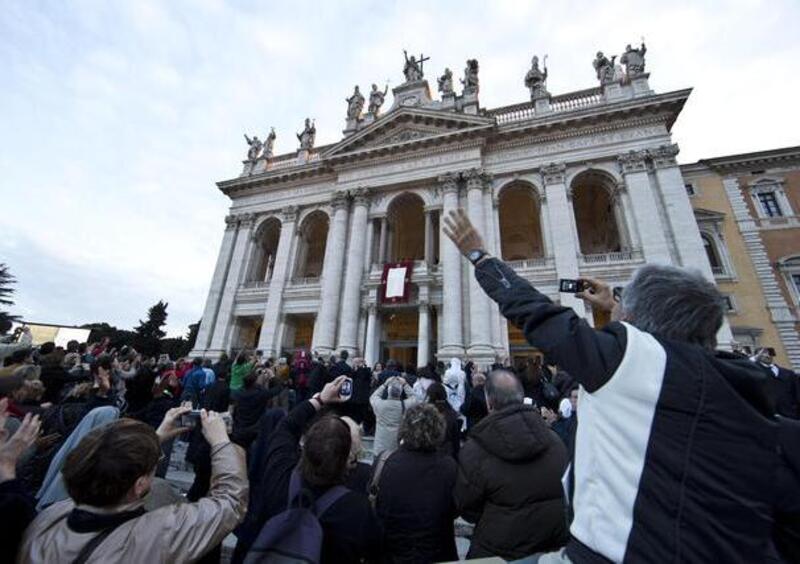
pixel 747 208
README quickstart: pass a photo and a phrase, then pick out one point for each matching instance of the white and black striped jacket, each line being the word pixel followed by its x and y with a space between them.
pixel 676 450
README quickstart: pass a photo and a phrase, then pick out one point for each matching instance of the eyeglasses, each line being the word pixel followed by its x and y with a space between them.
pixel 617 292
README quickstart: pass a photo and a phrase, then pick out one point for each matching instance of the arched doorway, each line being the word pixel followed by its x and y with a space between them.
pixel 312 239
pixel 597 213
pixel 520 223
pixel 406 218
pixel 265 247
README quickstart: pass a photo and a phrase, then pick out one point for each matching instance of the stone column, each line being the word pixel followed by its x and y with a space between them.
pixel 688 243
pixel 332 276
pixel 451 335
pixel 428 237
pixel 222 326
pixel 491 217
pixel 368 246
pixel 383 240
pixel 206 330
pixel 351 296
pixel 480 316
pixel 643 198
pixel 280 269
pixel 371 344
pixel 565 241
pixel 424 335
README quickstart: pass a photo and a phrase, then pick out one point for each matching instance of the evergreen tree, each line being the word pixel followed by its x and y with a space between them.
pixel 148 334
pixel 191 336
pixel 6 290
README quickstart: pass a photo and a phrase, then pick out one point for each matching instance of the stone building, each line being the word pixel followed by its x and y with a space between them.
pixel 584 183
pixel 748 210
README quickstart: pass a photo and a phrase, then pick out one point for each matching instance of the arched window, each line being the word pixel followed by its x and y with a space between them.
pixel 712 253
pixel 596 213
pixel 265 246
pixel 406 217
pixel 520 223
pixel 312 239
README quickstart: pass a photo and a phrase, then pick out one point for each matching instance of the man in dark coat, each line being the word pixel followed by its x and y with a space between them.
pixel 783 386
pixel 509 479
pixel 677 444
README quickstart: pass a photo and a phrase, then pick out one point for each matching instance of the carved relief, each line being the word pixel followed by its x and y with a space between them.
pixel 449 183
pixel 633 161
pixel 664 156
pixel 554 173
pixel 361 196
pixel 231 221
pixel 477 179
pixel 339 200
pixel 289 213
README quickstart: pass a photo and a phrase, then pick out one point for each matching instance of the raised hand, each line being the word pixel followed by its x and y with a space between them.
pixel 460 230
pixel 12 449
pixel 599 294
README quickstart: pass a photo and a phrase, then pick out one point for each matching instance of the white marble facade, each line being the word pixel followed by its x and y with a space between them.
pixel 618 135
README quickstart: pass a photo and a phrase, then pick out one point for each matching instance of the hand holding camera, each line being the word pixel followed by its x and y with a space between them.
pixel 340 390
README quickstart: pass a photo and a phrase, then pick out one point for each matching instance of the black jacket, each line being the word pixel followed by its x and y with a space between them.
pixel 250 406
pixel 509 484
pixel 474 407
pixel 785 391
pixel 350 531
pixel 676 452
pixel 362 381
pixel 416 507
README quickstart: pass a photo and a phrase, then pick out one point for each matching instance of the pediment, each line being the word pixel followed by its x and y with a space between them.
pixel 702 214
pixel 407 126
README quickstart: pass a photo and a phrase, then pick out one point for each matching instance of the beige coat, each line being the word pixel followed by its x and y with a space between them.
pixel 174 533
pixel 388 416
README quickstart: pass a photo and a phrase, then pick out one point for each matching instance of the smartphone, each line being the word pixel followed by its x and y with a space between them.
pixel 571 286
pixel 347 389
pixel 527 401
pixel 191 420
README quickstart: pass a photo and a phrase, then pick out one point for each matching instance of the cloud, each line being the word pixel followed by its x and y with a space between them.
pixel 118 117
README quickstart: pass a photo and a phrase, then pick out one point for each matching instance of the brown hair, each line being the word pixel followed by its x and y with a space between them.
pixel 108 461
pixel 325 452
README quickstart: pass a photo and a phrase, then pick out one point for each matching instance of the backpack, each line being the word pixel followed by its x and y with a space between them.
pixel 295 535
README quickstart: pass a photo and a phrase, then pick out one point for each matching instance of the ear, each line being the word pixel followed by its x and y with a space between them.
pixel 141 487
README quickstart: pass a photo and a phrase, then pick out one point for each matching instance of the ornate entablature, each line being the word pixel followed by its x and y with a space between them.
pixel 420 133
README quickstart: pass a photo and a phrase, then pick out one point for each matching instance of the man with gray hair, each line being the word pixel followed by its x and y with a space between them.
pixel 676 448
pixel 509 477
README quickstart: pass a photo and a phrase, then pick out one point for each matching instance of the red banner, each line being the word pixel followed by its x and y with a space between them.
pixel 396 282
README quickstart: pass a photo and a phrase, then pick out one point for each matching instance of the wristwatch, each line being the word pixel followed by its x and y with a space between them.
pixel 475 255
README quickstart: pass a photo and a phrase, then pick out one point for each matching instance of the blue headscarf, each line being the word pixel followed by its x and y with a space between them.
pixel 53 488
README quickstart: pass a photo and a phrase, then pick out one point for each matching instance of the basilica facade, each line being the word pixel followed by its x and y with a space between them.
pixel 561 186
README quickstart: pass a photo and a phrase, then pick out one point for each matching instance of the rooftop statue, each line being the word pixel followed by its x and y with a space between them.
pixel 446 83
pixel 470 80
pixel 604 68
pixel 536 79
pixel 376 98
pixel 255 147
pixel 307 136
pixel 413 67
pixel 269 143
pixel 633 59
pixel 355 104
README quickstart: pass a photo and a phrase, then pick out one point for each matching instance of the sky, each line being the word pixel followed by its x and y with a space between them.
pixel 117 118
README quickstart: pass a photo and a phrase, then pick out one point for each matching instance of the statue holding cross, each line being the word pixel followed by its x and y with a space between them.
pixel 413 67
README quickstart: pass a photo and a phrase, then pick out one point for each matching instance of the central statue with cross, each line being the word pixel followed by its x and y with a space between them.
pixel 413 67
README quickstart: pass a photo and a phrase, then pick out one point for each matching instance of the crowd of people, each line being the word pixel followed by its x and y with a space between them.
pixel 632 442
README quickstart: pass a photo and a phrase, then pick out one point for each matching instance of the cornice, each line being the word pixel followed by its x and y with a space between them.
pixel 550 136
pixel 750 161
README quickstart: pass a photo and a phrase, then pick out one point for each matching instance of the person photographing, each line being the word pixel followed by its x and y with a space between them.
pixel 676 448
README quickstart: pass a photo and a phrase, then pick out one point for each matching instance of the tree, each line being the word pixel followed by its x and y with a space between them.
pixel 191 336
pixel 118 338
pixel 148 335
pixel 6 290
